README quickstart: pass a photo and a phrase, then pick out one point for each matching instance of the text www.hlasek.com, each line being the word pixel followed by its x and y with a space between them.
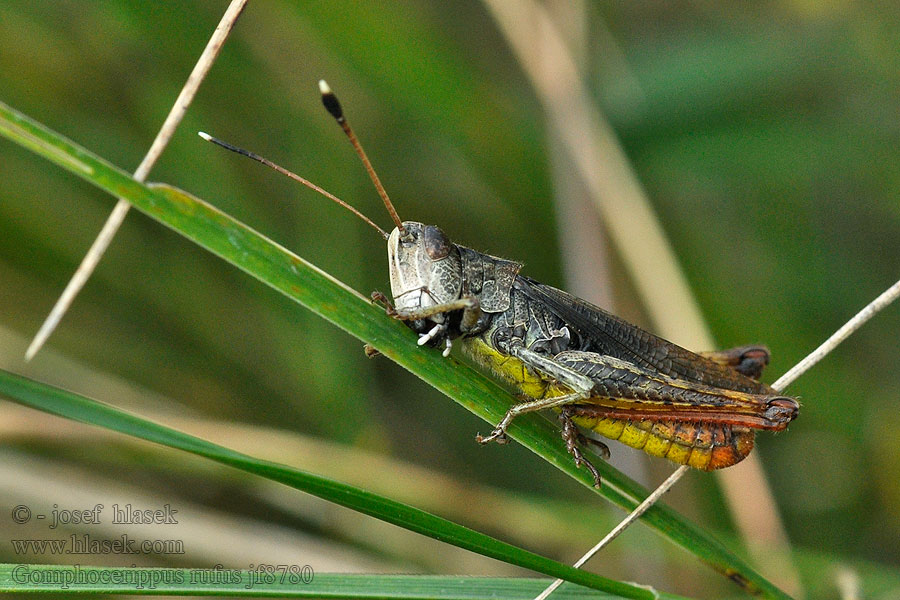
pixel 85 544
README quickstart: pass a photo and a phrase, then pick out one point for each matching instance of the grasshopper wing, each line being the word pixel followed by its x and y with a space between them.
pixel 603 333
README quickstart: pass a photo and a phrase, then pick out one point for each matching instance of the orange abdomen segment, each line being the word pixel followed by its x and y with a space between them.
pixel 705 446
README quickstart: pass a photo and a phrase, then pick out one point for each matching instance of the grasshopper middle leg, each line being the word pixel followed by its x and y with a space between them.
pixel 574 438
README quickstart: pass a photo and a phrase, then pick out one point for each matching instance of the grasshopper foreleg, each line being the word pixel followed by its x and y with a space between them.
pixel 468 304
pixel 379 298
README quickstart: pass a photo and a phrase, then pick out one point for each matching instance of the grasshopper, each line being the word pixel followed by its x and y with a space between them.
pixel 598 371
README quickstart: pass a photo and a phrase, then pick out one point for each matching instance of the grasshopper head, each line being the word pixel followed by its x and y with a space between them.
pixel 425 267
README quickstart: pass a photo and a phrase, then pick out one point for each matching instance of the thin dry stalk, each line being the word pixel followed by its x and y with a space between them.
pixel 871 309
pixel 633 516
pixel 115 219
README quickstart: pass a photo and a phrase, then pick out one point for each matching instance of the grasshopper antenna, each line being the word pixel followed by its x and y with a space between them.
pixel 334 108
pixel 293 176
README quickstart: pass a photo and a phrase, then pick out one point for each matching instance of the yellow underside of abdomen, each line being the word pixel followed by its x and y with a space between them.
pixel 705 446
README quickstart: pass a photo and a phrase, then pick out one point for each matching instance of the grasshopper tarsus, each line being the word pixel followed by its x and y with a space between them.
pixel 581 460
pixel 370 351
pixel 380 298
pixel 498 436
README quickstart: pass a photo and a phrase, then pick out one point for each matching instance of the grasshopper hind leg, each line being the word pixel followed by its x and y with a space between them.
pixel 499 433
pixel 573 437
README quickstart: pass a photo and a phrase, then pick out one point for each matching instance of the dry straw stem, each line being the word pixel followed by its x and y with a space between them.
pixel 633 516
pixel 641 243
pixel 847 582
pixel 117 217
pixel 879 303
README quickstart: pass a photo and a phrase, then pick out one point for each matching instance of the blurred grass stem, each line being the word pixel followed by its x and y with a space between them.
pixel 871 309
pixel 634 515
pixel 117 216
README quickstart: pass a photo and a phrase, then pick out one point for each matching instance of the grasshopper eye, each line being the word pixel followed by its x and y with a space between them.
pixel 437 246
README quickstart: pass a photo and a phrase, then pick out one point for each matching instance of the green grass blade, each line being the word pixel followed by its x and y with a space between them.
pixel 331 299
pixel 72 406
pixel 283 581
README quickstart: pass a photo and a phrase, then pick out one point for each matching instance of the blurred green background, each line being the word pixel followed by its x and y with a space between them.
pixel 765 134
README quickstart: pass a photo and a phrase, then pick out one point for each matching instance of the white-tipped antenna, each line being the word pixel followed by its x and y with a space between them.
pixel 293 176
pixel 334 108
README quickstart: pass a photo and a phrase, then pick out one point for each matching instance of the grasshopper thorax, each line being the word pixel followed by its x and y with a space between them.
pixel 425 268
